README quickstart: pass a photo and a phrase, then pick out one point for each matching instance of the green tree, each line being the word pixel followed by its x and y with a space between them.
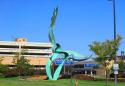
pixel 106 52
pixel 21 62
pixel 3 68
pixel 121 66
pixel 1 59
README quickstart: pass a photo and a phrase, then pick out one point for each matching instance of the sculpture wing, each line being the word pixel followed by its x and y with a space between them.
pixel 53 19
pixel 78 56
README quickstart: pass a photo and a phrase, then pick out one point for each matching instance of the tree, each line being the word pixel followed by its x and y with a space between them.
pixel 3 68
pixel 1 59
pixel 121 66
pixel 21 62
pixel 106 52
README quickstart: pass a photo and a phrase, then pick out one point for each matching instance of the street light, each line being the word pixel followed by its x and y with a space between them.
pixel 114 17
pixel 115 62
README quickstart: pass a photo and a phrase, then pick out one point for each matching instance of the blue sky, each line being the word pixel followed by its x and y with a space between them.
pixel 79 22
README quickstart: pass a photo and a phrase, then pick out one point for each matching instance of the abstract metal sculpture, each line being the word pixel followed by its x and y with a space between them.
pixel 58 52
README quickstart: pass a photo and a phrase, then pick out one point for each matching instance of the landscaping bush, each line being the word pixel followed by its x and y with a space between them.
pixel 120 75
pixel 13 72
pixel 66 77
pixel 3 68
pixel 10 73
pixel 83 77
pixel 37 72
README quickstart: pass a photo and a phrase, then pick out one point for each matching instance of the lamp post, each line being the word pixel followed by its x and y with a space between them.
pixel 115 81
pixel 114 15
pixel 115 62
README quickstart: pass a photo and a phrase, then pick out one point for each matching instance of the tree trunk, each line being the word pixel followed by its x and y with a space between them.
pixel 106 78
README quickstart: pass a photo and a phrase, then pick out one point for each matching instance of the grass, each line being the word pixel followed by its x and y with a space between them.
pixel 64 82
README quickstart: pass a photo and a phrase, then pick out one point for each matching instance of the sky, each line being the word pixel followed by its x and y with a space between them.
pixel 79 22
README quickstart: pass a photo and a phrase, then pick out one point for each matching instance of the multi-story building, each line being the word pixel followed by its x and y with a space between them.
pixel 37 53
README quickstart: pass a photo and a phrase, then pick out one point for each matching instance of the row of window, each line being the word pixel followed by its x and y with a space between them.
pixel 25 47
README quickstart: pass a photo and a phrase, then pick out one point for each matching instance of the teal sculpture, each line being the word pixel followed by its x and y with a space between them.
pixel 57 51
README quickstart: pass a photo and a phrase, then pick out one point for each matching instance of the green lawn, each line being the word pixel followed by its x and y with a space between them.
pixel 65 82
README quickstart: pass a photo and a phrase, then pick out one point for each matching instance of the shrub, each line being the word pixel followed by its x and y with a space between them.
pixel 120 75
pixel 10 73
pixel 83 77
pixel 3 69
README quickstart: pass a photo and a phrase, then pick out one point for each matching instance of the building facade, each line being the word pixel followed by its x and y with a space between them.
pixel 37 53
